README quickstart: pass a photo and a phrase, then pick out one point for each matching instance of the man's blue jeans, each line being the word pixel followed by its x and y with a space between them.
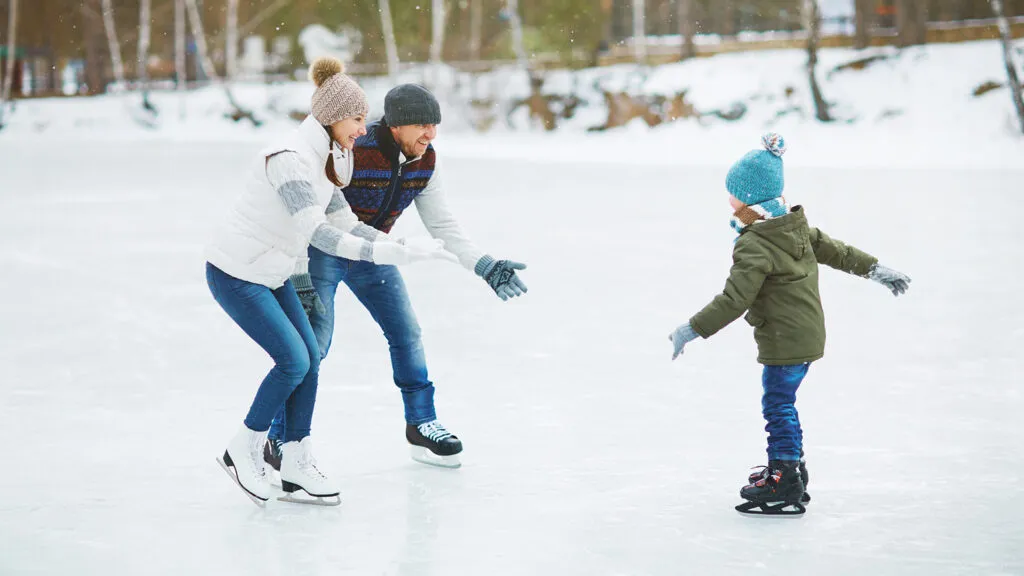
pixel 382 292
pixel 276 321
pixel 785 438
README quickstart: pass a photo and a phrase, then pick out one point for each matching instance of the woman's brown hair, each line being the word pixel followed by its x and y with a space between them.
pixel 331 174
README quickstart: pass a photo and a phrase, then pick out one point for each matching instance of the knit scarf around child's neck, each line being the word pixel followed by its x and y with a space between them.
pixel 767 210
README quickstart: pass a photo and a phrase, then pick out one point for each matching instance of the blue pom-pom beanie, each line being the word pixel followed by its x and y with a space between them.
pixel 757 177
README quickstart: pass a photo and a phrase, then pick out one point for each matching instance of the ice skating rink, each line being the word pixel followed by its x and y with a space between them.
pixel 587 451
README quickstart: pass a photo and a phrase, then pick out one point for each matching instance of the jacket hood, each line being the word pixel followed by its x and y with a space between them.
pixel 790 232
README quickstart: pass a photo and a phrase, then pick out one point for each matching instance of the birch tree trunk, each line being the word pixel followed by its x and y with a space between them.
pixel 639 31
pixel 141 72
pixel 390 47
pixel 476 24
pixel 687 28
pixel 517 34
pixel 1011 65
pixel 812 23
pixel 208 68
pixel 231 41
pixel 437 17
pixel 179 53
pixel 12 28
pixel 114 45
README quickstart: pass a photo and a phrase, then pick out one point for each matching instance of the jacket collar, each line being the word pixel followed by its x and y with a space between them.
pixel 315 136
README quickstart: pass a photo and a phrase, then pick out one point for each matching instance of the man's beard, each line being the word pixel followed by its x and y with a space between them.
pixel 410 150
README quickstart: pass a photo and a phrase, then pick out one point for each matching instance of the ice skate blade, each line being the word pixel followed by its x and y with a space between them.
pixel 334 500
pixel 298 495
pixel 771 509
pixel 234 478
pixel 425 456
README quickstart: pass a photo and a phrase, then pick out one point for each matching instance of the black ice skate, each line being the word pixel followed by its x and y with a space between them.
pixel 272 456
pixel 777 493
pixel 430 443
pixel 763 472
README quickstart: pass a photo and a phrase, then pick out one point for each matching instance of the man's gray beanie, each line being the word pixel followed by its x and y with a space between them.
pixel 411 104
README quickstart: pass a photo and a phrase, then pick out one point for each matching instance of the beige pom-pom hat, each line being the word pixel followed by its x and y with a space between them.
pixel 337 96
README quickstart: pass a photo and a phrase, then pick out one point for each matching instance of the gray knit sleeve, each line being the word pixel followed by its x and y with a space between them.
pixel 340 214
pixel 289 176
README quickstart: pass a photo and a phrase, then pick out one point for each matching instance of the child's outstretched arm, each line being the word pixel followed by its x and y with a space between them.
pixel 841 256
pixel 750 267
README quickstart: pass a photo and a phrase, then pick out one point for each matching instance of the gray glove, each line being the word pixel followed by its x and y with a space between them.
pixel 500 275
pixel 680 337
pixel 897 282
pixel 307 294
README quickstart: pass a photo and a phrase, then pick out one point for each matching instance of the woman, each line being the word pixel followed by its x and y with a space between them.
pixel 292 200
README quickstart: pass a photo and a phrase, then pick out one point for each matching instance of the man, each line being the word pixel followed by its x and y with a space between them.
pixel 395 165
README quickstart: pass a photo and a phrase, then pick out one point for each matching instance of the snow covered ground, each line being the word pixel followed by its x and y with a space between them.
pixel 587 451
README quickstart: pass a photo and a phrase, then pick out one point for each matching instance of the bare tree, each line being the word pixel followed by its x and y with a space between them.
pixel 812 24
pixel 208 68
pixel 390 47
pixel 911 21
pixel 517 33
pixel 1011 65
pixel 862 23
pixel 687 28
pixel 12 28
pixel 640 31
pixel 181 75
pixel 231 41
pixel 92 37
pixel 113 44
pixel 476 24
pixel 437 17
pixel 141 71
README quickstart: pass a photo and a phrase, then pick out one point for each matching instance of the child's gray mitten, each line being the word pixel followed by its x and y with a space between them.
pixel 307 294
pixel 897 282
pixel 680 337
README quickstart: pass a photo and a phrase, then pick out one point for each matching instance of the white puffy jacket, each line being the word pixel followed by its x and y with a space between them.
pixel 284 208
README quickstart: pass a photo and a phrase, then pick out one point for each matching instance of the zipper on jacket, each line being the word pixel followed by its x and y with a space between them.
pixel 391 198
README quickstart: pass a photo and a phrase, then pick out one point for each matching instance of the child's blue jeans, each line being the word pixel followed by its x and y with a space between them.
pixel 785 438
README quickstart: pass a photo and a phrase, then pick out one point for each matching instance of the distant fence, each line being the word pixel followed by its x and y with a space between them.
pixel 664 49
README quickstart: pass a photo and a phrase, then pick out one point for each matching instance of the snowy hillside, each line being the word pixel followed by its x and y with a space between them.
pixel 912 108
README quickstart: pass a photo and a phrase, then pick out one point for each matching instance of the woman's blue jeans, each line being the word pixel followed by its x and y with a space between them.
pixel 381 290
pixel 276 321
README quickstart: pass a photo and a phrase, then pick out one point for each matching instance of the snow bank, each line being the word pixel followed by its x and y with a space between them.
pixel 910 108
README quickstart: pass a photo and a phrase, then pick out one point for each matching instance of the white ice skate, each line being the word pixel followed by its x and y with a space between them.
pixel 300 475
pixel 243 462
pixel 430 443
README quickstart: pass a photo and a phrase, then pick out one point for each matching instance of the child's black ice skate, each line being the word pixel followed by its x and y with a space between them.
pixel 430 443
pixel 777 493
pixel 763 472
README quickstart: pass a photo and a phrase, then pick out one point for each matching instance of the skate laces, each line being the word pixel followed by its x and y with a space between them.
pixel 306 461
pixel 256 442
pixel 434 431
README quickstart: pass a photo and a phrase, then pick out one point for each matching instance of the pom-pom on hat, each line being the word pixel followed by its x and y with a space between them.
pixel 337 96
pixel 757 177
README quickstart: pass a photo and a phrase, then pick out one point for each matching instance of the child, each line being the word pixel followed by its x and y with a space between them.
pixel 774 279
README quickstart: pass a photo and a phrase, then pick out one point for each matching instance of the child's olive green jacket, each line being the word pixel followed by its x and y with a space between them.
pixel 775 276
